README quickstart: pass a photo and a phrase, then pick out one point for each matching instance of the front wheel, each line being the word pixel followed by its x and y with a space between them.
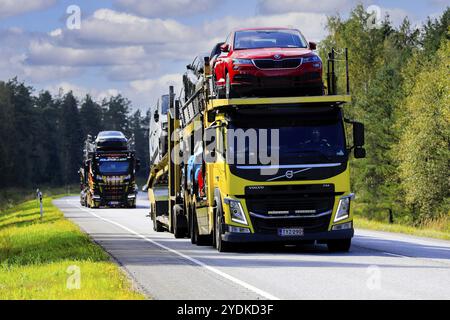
pixel 339 245
pixel 220 244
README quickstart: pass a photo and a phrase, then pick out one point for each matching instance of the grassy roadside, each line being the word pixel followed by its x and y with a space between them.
pixel 438 232
pixel 44 259
pixel 11 197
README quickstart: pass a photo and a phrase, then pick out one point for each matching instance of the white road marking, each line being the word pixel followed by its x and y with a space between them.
pixel 212 269
pixel 395 255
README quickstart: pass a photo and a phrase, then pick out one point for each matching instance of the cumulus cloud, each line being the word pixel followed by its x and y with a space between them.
pixel 10 8
pixel 146 92
pixel 113 27
pixel 397 15
pixel 80 91
pixel 312 25
pixel 46 53
pixel 318 6
pixel 164 8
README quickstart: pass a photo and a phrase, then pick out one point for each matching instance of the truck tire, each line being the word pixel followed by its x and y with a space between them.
pixel 200 240
pixel 339 245
pixel 221 245
pixel 179 226
pixel 192 226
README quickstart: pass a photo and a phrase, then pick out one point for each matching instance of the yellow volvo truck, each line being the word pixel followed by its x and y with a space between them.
pixel 257 170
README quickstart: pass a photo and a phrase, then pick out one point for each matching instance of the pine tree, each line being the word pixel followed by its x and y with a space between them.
pixel 91 117
pixel 71 139
pixel 116 114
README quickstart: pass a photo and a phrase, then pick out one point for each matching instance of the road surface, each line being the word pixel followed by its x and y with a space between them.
pixel 378 266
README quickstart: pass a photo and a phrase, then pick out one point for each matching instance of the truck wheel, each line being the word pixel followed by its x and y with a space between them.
pixel 192 228
pixel 221 245
pixel 179 229
pixel 200 240
pixel 339 245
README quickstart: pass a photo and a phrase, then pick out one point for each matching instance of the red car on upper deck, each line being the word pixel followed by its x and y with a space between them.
pixel 267 61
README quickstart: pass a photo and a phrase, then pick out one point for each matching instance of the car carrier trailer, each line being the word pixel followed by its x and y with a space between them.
pixel 211 197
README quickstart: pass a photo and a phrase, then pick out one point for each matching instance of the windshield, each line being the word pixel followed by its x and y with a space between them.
pixel 113 167
pixel 311 141
pixel 254 39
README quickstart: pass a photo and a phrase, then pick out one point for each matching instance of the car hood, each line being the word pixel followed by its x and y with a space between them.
pixel 270 53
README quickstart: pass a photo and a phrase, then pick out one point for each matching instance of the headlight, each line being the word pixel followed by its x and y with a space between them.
pixel 343 209
pixel 313 58
pixel 236 211
pixel 242 61
pixel 99 177
pixel 128 177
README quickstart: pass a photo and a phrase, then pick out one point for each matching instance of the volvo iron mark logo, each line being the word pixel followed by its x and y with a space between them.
pixel 277 56
pixel 289 174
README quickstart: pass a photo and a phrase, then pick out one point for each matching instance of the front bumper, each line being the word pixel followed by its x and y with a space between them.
pixel 260 237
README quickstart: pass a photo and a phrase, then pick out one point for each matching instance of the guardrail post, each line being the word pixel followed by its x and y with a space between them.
pixel 39 198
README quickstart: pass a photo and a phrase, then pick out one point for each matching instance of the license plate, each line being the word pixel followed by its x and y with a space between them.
pixel 113 203
pixel 290 232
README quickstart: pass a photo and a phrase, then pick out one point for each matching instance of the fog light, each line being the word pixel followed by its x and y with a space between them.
pixel 238 229
pixel 342 226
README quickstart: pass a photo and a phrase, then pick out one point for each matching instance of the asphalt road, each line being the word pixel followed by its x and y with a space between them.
pixel 378 266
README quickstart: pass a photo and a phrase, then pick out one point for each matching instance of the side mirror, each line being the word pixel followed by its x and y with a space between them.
pixel 138 164
pixel 156 116
pixel 189 67
pixel 358 134
pixel 225 47
pixel 359 153
pixel 312 45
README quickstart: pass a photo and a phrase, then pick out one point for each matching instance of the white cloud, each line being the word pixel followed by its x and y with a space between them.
pixel 81 91
pixel 155 84
pixel 165 8
pixel 312 25
pixel 112 27
pixel 397 15
pixel 145 93
pixel 318 6
pixel 45 53
pixel 10 8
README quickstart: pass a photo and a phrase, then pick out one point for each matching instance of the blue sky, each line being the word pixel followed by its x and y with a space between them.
pixel 139 47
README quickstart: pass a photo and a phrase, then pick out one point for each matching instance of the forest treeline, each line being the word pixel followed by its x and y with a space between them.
pixel 400 85
pixel 42 135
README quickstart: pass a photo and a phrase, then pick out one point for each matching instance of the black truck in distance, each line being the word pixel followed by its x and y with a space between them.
pixel 108 173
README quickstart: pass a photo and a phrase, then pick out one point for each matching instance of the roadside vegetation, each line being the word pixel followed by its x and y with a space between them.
pixel 44 259
pixel 400 86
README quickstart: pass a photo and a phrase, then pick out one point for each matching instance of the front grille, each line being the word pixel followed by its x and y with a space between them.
pixel 277 64
pixel 292 205
pixel 113 193
pixel 303 206
pixel 293 199
pixel 309 225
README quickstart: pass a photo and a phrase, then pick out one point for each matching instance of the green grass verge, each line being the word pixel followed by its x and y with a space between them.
pixel 38 258
pixel 438 232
